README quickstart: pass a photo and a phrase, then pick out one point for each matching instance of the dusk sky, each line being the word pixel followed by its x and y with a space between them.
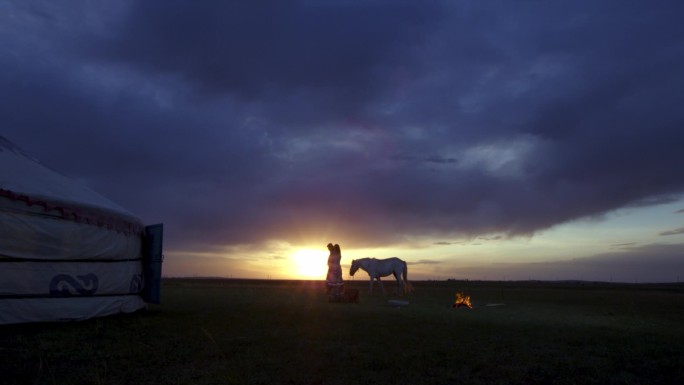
pixel 474 139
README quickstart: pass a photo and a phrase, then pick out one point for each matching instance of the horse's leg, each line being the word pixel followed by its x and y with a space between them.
pixel 370 289
pixel 406 284
pixel 381 287
pixel 400 285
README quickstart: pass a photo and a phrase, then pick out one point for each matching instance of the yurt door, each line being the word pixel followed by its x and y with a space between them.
pixel 152 263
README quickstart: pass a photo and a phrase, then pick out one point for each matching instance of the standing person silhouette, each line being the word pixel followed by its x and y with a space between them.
pixel 334 277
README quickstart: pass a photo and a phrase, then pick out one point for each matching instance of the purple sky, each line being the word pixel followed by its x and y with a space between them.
pixel 369 124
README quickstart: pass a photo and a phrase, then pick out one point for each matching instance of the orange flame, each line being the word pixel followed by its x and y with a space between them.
pixel 462 300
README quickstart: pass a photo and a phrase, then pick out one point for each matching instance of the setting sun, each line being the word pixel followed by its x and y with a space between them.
pixel 309 263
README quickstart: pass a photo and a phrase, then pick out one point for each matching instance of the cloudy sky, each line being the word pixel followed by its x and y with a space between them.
pixel 481 140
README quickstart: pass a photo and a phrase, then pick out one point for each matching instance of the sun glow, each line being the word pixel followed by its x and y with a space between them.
pixel 309 263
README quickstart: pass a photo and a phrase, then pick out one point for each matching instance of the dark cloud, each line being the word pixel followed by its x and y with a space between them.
pixel 643 263
pixel 494 238
pixel 238 123
pixel 426 262
pixel 673 232
pixel 334 56
pixel 625 245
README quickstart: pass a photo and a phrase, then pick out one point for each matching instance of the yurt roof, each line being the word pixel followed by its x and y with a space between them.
pixel 23 178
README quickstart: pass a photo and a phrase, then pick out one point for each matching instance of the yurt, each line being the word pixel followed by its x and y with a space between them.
pixel 66 252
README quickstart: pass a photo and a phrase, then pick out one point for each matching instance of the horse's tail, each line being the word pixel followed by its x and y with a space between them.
pixel 407 286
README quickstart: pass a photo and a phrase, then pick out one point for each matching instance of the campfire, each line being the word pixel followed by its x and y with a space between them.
pixel 462 300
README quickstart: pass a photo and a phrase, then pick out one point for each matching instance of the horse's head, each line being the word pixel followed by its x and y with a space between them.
pixel 354 267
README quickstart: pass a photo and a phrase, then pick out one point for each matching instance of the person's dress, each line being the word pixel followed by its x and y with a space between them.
pixel 334 278
pixel 334 269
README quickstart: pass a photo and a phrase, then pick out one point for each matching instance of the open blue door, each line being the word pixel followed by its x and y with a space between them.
pixel 152 263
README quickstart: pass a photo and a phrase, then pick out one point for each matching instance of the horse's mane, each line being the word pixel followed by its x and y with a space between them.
pixel 364 259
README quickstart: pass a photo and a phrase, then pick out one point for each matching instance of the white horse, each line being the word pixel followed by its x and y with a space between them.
pixel 377 268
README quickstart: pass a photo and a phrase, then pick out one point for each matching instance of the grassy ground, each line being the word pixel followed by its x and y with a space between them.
pixel 266 332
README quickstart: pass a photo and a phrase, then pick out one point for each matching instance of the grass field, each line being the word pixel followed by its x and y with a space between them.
pixel 285 332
